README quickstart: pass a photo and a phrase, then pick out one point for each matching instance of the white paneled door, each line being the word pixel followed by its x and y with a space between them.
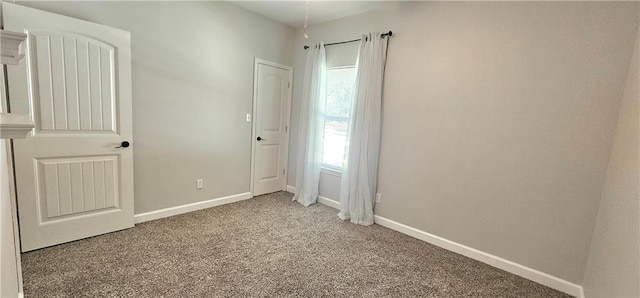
pixel 271 109
pixel 74 173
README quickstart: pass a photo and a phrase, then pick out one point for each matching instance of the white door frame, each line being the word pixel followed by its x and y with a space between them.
pixel 8 168
pixel 254 112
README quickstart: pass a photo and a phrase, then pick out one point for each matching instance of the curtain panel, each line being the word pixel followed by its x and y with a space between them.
pixel 311 126
pixel 360 174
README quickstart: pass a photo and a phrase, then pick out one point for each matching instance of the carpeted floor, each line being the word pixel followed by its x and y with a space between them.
pixel 264 247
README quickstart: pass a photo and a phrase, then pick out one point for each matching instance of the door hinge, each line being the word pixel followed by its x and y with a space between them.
pixel 286 128
pixel 288 84
pixel 283 171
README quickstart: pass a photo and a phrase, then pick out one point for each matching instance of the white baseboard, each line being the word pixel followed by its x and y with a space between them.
pixel 495 261
pixel 328 202
pixel 147 216
pixel 321 200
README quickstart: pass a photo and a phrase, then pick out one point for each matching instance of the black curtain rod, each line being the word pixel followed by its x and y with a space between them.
pixel 390 33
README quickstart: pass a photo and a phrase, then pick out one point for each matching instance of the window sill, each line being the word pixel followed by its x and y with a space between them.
pixel 331 172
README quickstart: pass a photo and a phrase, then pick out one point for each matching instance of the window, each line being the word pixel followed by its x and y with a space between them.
pixel 340 84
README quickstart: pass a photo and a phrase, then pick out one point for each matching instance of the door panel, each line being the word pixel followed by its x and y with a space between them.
pixel 272 96
pixel 70 186
pixel 270 154
pixel 75 82
pixel 72 181
pixel 270 100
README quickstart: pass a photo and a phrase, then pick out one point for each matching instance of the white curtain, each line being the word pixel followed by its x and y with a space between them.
pixel 311 127
pixel 360 175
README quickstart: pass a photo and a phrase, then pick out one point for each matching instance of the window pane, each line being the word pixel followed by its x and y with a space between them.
pixel 340 83
pixel 335 142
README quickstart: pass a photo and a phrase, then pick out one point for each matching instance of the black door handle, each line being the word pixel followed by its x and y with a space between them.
pixel 124 144
pixel 261 139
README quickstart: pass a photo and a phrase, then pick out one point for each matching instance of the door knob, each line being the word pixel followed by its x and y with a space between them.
pixel 261 139
pixel 124 144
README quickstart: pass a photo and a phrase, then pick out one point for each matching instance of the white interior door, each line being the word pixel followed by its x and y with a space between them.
pixel 272 97
pixel 72 181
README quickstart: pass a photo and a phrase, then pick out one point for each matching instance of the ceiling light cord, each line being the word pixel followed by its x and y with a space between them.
pixel 306 20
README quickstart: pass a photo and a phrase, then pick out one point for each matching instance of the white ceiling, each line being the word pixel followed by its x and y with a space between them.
pixel 291 13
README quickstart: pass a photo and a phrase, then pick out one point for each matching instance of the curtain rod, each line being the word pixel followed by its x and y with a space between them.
pixel 390 33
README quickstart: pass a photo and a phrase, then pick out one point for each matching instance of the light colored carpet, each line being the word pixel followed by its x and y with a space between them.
pixel 264 247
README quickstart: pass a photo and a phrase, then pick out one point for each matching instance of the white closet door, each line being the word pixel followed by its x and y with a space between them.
pixel 272 96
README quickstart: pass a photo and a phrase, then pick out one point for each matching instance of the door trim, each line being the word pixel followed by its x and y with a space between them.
pixel 254 111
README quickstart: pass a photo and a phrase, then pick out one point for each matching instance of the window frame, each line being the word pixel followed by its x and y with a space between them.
pixel 329 168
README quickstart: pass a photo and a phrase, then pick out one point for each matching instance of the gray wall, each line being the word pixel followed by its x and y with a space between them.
pixel 498 121
pixel 613 266
pixel 192 67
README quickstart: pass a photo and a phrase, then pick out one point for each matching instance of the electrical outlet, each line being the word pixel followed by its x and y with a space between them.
pixel 199 184
pixel 378 197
